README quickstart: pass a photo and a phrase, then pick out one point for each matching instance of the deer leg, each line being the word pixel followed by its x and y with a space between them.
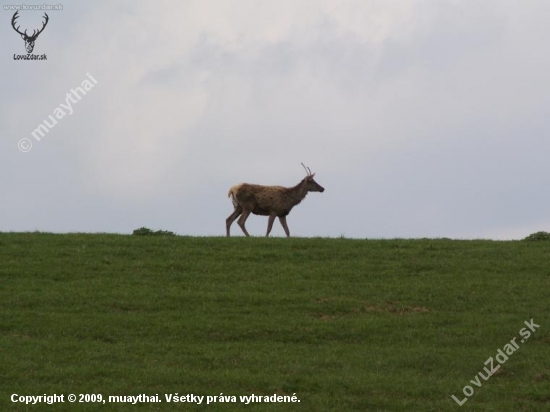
pixel 229 221
pixel 282 219
pixel 269 225
pixel 242 220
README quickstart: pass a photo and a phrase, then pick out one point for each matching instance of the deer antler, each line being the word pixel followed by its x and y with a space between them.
pixel 43 26
pixel 34 33
pixel 15 17
pixel 308 171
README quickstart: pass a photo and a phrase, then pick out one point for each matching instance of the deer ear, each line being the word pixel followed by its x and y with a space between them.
pixel 312 175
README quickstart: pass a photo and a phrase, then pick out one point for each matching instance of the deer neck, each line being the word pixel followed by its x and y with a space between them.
pixel 298 192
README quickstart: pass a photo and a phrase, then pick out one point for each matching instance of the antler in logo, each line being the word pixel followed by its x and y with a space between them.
pixel 29 40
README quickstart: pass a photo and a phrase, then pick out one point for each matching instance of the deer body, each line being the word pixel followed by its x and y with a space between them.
pixel 272 201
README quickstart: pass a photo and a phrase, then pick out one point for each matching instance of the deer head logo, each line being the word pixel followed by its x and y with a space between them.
pixel 29 40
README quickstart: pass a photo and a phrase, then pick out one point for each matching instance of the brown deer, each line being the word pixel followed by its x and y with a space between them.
pixel 272 201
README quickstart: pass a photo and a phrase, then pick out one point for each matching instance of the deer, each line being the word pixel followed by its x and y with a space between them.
pixel 29 40
pixel 272 201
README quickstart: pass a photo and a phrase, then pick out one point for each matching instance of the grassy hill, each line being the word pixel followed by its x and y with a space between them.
pixel 345 325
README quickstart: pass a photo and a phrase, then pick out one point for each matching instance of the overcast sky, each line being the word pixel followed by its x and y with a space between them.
pixel 421 118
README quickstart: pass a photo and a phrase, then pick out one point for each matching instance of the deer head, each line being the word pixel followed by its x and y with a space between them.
pixel 29 40
pixel 312 185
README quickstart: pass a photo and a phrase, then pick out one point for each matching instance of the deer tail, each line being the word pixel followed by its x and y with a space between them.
pixel 232 194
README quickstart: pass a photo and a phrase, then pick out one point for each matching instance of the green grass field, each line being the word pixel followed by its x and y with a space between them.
pixel 345 325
